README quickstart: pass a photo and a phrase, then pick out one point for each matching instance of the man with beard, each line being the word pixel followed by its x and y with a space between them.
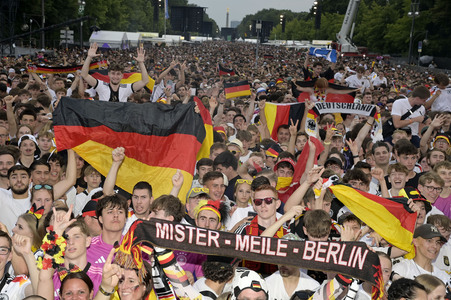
pixel 114 91
pixel 7 160
pixel 16 201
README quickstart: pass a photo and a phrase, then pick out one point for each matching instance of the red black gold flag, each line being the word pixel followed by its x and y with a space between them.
pixel 127 77
pixel 65 70
pixel 388 217
pixel 224 71
pixel 204 151
pixel 330 97
pixel 158 139
pixel 237 89
pixel 268 56
pixel 279 114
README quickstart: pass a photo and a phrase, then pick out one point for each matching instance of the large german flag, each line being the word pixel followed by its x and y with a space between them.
pixel 331 97
pixel 224 71
pixel 237 89
pixel 67 69
pixel 388 217
pixel 279 114
pixel 158 139
pixel 127 77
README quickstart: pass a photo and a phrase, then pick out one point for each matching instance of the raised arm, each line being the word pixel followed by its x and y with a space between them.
pixel 177 182
pixel 250 110
pixel 110 180
pixel 22 246
pixel 92 52
pixel 294 212
pixel 293 132
pixel 165 72
pixel 60 188
pixel 9 100
pixel 435 124
pixel 144 76
pixel 181 76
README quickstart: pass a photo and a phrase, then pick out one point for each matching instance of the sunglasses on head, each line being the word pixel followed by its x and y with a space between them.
pixel 37 187
pixel 239 181
pixel 268 201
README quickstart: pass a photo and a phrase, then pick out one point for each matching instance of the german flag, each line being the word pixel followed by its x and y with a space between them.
pixel 279 114
pixel 388 217
pixel 237 89
pixel 204 151
pixel 64 70
pixel 331 97
pixel 224 71
pixel 158 139
pixel 127 77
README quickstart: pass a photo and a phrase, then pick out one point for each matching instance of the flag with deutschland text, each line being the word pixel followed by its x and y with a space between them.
pixel 224 71
pixel 390 218
pixel 131 77
pixel 280 114
pixel 158 139
pixel 237 89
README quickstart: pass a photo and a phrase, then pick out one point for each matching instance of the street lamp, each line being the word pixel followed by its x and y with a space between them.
pixel 31 22
pixel 81 10
pixel 414 12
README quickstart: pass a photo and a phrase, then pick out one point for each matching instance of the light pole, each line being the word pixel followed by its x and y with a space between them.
pixel 43 24
pixel 258 27
pixel 81 10
pixel 31 22
pixel 414 12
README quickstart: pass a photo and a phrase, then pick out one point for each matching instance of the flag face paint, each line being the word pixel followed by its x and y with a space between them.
pixel 158 139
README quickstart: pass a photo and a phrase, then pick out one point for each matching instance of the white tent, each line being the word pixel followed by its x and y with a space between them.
pixel 108 39
pixel 131 39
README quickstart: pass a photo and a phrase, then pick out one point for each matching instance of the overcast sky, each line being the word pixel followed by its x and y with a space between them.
pixel 217 9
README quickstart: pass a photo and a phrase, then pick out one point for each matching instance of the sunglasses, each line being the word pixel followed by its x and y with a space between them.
pixel 38 187
pixel 268 201
pixel 239 181
pixel 198 190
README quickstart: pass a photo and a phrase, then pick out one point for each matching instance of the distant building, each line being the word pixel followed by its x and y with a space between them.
pixel 234 24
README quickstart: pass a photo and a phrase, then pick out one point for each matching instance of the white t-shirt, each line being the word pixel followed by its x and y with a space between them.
pixel 443 259
pixel 401 106
pixel 158 91
pixel 15 287
pixel 106 94
pixel 239 214
pixel 277 289
pixel 201 286
pixel 354 82
pixel 12 208
pixel 409 269
pixel 443 102
pixel 378 81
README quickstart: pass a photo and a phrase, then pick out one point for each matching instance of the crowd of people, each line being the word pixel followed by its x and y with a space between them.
pixel 61 220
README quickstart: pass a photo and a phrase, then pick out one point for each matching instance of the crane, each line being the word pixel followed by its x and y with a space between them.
pixel 344 37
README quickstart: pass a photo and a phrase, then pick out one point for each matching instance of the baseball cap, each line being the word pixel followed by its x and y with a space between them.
pixel 428 231
pixel 197 191
pixel 90 208
pixel 333 161
pixel 288 160
pixel 248 279
pixel 261 90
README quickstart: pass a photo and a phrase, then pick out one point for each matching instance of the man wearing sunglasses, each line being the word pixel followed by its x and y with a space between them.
pixel 265 203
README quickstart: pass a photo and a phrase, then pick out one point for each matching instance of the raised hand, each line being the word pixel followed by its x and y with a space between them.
pixel 61 221
pixel 314 175
pixel 111 273
pixel 177 179
pixel 378 174
pixel 293 128
pixel 92 52
pixel 21 244
pixel 118 154
pixel 141 55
